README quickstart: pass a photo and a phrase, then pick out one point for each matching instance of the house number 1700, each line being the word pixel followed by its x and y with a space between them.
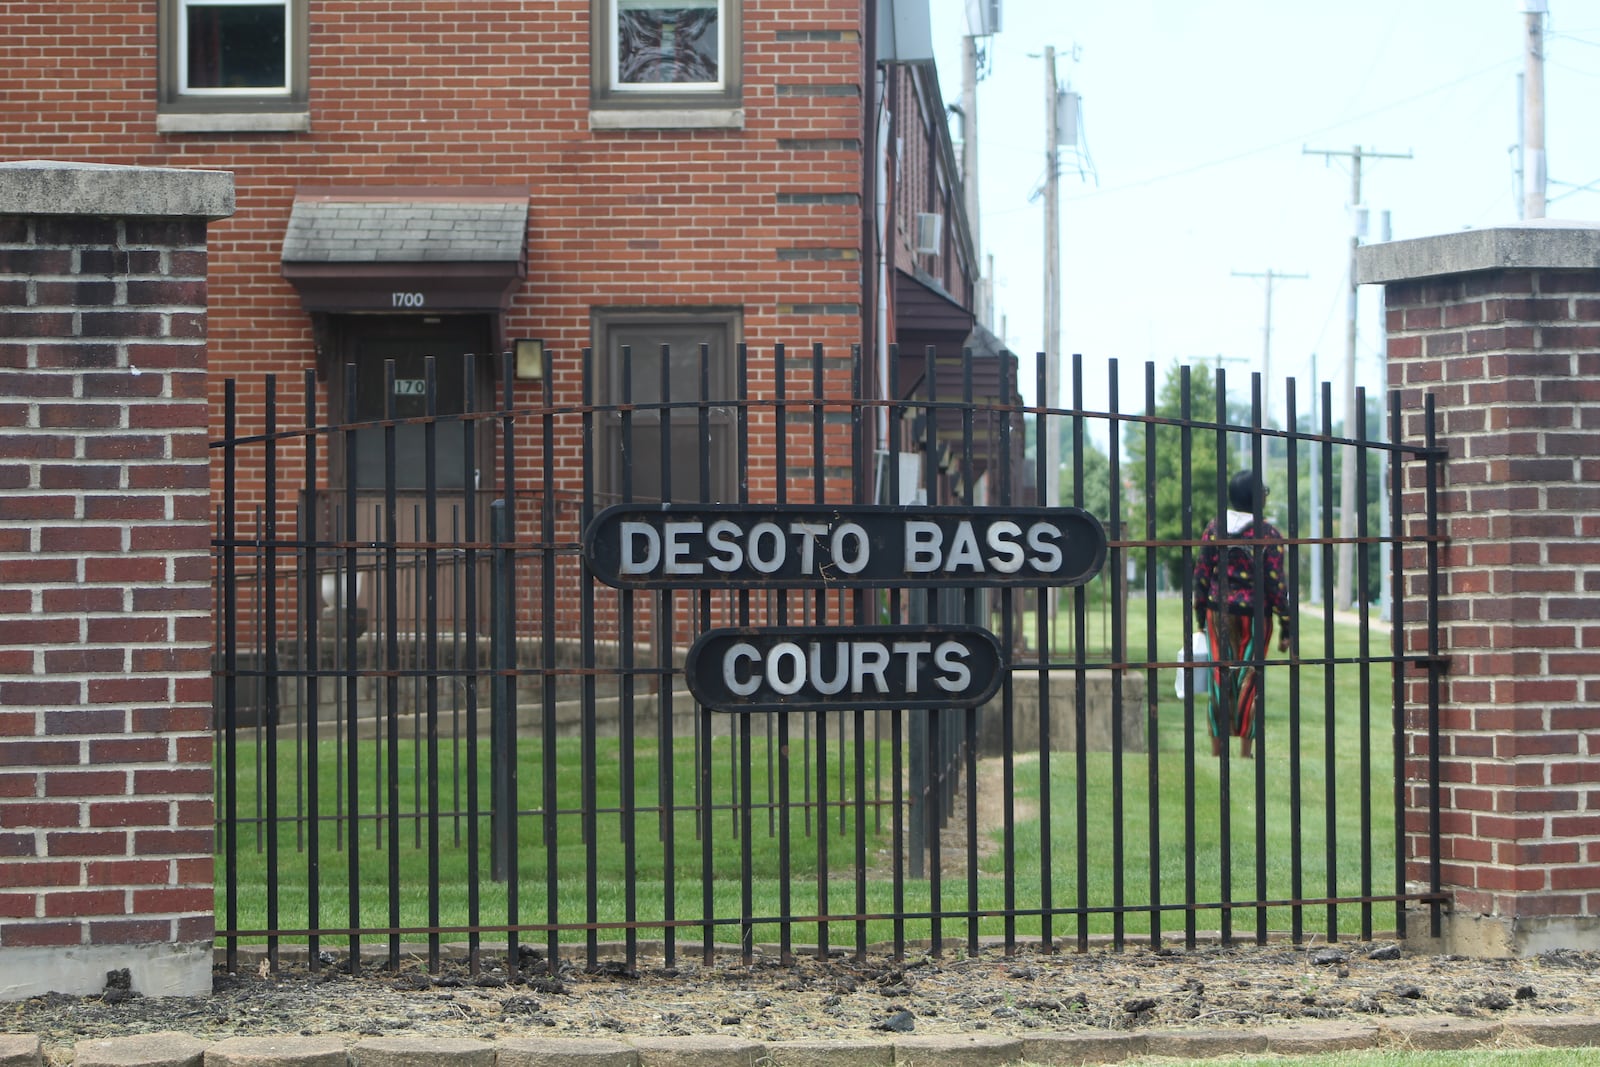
pixel 405 300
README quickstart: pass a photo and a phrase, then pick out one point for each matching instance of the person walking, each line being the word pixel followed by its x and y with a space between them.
pixel 1225 609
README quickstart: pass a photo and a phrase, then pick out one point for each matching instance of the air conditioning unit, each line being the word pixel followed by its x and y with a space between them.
pixel 930 228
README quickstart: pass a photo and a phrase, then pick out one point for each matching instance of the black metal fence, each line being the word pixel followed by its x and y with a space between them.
pixel 434 725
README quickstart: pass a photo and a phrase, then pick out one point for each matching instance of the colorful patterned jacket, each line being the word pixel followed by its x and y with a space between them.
pixel 1231 588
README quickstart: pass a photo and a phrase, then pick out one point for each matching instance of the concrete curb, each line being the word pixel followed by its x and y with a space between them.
pixel 947 1050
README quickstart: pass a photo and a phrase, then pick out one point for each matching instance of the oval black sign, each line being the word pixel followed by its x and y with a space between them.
pixel 807 546
pixel 842 668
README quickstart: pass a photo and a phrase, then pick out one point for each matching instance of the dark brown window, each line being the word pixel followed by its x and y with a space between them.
pixel 700 348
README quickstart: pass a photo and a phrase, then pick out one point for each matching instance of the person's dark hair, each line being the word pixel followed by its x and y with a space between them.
pixel 1242 491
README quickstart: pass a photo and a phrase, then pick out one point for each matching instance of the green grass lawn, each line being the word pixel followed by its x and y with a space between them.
pixel 1140 839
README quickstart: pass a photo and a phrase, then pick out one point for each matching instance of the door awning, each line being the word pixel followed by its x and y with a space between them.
pixel 398 250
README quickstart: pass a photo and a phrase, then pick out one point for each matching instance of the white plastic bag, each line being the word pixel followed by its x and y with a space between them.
pixel 1199 651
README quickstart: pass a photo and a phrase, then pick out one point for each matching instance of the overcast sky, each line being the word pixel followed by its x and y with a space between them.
pixel 1191 166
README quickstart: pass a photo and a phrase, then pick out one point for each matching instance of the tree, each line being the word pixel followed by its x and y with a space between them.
pixel 1097 495
pixel 1165 443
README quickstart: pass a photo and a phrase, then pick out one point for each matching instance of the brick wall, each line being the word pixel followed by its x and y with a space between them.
pixel 105 597
pixel 1511 355
pixel 413 93
pixel 405 92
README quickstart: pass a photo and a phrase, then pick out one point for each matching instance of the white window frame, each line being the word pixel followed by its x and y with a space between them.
pixel 249 109
pixel 614 10
pixel 665 105
pixel 183 87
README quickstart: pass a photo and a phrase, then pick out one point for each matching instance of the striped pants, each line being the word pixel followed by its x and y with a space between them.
pixel 1235 690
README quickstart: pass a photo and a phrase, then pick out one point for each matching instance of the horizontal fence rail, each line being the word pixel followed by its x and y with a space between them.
pixel 436 724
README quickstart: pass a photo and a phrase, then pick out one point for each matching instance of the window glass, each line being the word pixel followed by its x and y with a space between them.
pixel 234 47
pixel 669 41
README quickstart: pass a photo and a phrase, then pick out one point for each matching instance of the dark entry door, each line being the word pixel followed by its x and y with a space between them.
pixel 463 480
pixel 452 341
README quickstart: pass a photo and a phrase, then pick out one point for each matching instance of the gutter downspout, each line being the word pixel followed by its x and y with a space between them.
pixel 872 313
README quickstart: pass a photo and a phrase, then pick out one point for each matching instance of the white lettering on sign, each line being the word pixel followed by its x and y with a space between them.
pixel 406 300
pixel 717 545
pixel 926 552
pixel 788 666
pixel 675 547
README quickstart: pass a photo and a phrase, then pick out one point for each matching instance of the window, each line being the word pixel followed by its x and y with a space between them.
pixel 664 55
pixel 643 333
pixel 233 65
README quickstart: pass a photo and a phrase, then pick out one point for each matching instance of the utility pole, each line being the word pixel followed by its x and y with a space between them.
pixel 1050 431
pixel 1345 581
pixel 1266 333
pixel 1535 171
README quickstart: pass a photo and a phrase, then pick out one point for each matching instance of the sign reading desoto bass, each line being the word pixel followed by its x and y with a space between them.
pixel 841 546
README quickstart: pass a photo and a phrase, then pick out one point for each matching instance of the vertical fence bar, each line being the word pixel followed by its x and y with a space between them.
pixel 547 640
pixel 230 666
pixel 1080 684
pixel 1259 629
pixel 310 588
pixel 1009 409
pixel 1330 776
pixel 703 722
pixel 818 491
pixel 547 742
pixel 1230 674
pixel 1364 671
pixel 1152 701
pixel 469 480
pixel 625 629
pixel 391 582
pixel 897 763
pixel 352 773
pixel 269 683
pixel 430 681
pixel 747 904
pixel 1292 577
pixel 969 717
pixel 1119 655
pixel 780 409
pixel 665 616
pixel 588 791
pixel 506 538
pixel 1044 633
pixel 862 451
pixel 1186 493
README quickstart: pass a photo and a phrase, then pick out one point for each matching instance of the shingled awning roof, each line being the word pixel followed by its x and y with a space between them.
pixel 406 249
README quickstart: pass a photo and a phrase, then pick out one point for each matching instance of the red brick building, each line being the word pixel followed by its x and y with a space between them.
pixel 423 178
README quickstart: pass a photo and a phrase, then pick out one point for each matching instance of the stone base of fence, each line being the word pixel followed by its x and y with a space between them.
pixel 155 970
pixel 1466 933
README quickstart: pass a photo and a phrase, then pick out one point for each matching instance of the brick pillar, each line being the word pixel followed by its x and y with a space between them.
pixel 1502 326
pixel 105 596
